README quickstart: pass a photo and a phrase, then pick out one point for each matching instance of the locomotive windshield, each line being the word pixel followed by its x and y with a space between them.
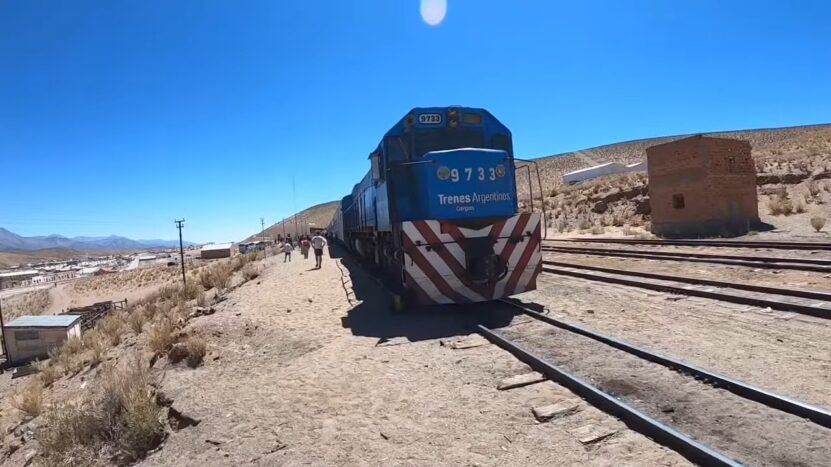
pixel 449 138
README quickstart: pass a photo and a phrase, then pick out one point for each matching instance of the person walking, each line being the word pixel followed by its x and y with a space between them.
pixel 318 243
pixel 305 244
pixel 287 248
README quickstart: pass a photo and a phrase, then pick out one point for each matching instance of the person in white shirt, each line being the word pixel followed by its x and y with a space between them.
pixel 287 248
pixel 318 243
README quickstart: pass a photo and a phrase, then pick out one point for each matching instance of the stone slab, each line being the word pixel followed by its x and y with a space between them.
pixel 518 381
pixel 556 410
pixel 589 434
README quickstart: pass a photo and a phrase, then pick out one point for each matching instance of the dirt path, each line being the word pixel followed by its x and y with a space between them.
pixel 296 375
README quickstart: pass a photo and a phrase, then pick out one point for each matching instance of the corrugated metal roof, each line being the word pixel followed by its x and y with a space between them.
pixel 46 321
pixel 217 246
pixel 19 273
pixel 589 169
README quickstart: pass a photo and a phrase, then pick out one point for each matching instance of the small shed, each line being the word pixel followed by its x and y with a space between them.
pixel 701 186
pixel 32 337
pixel 216 250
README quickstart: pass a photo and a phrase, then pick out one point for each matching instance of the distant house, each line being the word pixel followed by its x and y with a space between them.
pixel 603 170
pixel 17 278
pixel 32 337
pixel 216 250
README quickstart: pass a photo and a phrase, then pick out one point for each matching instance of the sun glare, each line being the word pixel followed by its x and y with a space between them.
pixel 433 11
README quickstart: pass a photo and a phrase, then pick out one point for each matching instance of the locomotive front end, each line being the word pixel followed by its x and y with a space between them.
pixel 471 244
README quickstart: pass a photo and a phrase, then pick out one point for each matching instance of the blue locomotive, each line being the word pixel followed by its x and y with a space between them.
pixel 438 211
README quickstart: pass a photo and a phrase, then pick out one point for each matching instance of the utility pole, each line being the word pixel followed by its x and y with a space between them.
pixel 284 227
pixel 294 202
pixel 179 225
pixel 262 229
pixel 3 332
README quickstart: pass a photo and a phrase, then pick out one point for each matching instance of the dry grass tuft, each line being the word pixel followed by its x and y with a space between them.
pixel 818 223
pixel 780 205
pixel 197 349
pixel 191 290
pixel 112 326
pixel 47 372
pixel 123 419
pixel 162 336
pixel 217 276
pixel 136 319
pixel 30 399
pixel 250 272
pixel 95 344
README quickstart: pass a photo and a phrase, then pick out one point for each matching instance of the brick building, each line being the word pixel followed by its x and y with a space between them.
pixel 701 186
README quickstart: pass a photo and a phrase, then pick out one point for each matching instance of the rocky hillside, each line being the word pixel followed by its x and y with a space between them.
pixel 775 151
pixel 792 166
pixel 319 215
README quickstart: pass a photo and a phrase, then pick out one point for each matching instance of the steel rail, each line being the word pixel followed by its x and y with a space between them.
pixel 818 312
pixel 716 243
pixel 816 414
pixel 634 419
pixel 762 259
pixel 815 295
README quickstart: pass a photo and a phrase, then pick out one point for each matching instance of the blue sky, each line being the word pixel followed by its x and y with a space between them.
pixel 117 117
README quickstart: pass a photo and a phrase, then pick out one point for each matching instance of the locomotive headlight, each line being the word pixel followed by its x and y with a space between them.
pixel 500 170
pixel 443 173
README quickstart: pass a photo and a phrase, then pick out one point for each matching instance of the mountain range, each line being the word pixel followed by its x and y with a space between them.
pixel 10 241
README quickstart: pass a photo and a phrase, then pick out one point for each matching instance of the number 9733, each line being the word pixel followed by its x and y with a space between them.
pixel 471 173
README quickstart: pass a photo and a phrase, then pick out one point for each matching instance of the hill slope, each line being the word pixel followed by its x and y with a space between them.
pixel 319 216
pixel 770 147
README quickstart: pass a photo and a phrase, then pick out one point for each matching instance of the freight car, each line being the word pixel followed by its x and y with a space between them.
pixel 437 212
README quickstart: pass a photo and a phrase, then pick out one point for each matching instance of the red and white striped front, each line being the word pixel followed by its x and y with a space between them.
pixel 434 259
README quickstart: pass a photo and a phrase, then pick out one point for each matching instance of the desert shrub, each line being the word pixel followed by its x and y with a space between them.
pixel 73 346
pixel 598 229
pixel 191 290
pixel 196 348
pixel 94 342
pixel 250 272
pixel 627 230
pixel 47 372
pixel 162 336
pixel 799 206
pixel 621 214
pixel 218 276
pixel 780 205
pixel 30 399
pixel 817 223
pixel 111 327
pixel 814 188
pixel 136 320
pixel 123 418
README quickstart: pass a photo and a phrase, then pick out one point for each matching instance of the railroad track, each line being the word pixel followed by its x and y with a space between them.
pixel 795 300
pixel 816 246
pixel 768 262
pixel 640 421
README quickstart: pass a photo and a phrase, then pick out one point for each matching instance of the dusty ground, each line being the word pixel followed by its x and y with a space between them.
pixel 748 432
pixel 304 370
pixel 783 352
